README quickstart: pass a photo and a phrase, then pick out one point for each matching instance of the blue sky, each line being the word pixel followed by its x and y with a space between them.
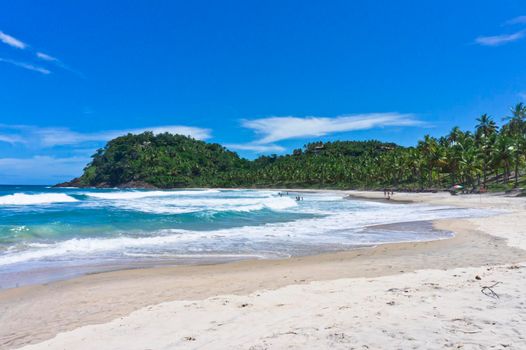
pixel 258 76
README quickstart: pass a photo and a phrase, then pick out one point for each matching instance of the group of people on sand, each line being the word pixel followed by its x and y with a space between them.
pixel 388 193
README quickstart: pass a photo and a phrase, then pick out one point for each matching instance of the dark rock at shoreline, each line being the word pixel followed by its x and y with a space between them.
pixel 73 183
pixel 138 184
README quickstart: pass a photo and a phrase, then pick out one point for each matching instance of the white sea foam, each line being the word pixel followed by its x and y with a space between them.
pixel 342 227
pixel 145 194
pixel 34 199
pixel 185 204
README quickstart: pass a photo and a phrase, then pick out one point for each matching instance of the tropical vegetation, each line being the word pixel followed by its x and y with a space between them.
pixel 488 157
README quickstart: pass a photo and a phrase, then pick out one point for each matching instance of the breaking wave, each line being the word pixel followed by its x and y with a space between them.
pixel 35 199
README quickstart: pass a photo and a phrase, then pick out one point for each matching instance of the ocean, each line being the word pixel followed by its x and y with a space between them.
pixel 54 233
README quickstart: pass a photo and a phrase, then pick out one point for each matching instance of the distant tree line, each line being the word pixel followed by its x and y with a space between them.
pixel 489 156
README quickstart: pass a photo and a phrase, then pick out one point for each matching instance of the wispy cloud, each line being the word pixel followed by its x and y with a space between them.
pixel 19 44
pixel 46 57
pixel 11 41
pixel 53 60
pixel 275 129
pixel 497 40
pixel 61 136
pixel 12 139
pixel 522 95
pixel 50 169
pixel 79 147
pixel 255 147
pixel 50 137
pixel 25 65
pixel 516 20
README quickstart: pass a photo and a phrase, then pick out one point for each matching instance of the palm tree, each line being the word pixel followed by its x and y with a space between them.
pixel 516 129
pixel 485 131
pixel 517 149
pixel 470 165
pixel 486 126
pixel 502 155
pixel 428 149
pixel 453 152
pixel 517 119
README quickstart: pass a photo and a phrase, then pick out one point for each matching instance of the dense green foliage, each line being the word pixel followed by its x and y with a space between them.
pixel 162 160
pixel 487 156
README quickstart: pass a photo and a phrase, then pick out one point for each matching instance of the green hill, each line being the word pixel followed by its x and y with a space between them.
pixel 164 161
pixel 169 161
pixel 488 158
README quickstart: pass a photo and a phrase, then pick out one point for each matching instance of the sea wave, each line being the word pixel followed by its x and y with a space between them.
pixel 343 228
pixel 165 205
pixel 145 194
pixel 35 199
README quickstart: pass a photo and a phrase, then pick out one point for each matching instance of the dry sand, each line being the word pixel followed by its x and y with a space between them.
pixel 398 296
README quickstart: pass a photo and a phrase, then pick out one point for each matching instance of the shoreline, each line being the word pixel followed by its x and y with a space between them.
pixel 37 277
pixel 109 295
pixel 44 273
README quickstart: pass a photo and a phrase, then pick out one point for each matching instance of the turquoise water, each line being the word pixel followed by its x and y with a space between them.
pixel 68 231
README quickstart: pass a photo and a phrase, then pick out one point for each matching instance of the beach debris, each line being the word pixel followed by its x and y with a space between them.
pixel 488 291
pixel 390 303
pixel 478 278
pixel 189 339
pixel 466 331
pixel 338 337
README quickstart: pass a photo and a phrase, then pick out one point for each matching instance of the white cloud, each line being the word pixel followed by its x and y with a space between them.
pixel 497 40
pixel 46 57
pixel 517 20
pixel 255 147
pixel 196 133
pixel 58 136
pixel 26 66
pixel 58 63
pixel 11 41
pixel 50 137
pixel 48 169
pixel 275 129
pixel 12 139
pixel 40 169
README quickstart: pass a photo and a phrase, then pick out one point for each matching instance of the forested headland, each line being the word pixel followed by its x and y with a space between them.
pixel 488 157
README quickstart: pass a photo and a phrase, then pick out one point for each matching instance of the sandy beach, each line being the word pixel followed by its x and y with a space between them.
pixel 465 292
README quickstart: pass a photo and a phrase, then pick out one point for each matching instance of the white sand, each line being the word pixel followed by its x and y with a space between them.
pixel 423 310
pixel 426 309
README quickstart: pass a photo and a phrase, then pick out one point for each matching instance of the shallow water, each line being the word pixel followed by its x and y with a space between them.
pixel 46 232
